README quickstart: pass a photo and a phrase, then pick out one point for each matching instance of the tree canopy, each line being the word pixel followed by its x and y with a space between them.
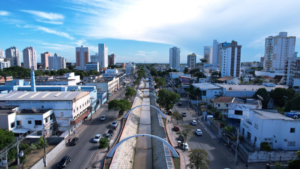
pixel 193 71
pixel 129 92
pixel 279 94
pixel 167 98
pixel 264 94
pixel 120 105
pixel 177 116
pixel 198 159
pixel 203 60
pixel 160 82
pixel 186 131
pixel 293 104
pixel 186 70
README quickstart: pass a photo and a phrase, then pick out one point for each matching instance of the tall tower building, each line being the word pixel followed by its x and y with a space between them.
pixel 215 53
pixel 56 62
pixel 95 58
pixel 14 55
pixel 191 60
pixel 112 59
pixel 1 53
pixel 208 54
pixel 82 57
pixel 230 56
pixel 103 55
pixel 174 58
pixel 277 51
pixel 29 58
pixel 44 60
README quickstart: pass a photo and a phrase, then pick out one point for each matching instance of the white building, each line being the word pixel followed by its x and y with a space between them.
pixel 103 55
pixel 1 54
pixel 174 75
pixel 130 68
pixel 111 71
pixel 14 55
pixel 292 71
pixel 281 132
pixel 230 55
pixel 215 58
pixel 95 58
pixel 92 66
pixel 209 91
pixel 174 58
pixel 277 50
pixel 240 108
pixel 4 63
pixel 29 58
pixel 69 108
pixel 208 54
pixel 191 60
pixel 82 57
pixel 109 85
pixel 56 62
pixel 67 79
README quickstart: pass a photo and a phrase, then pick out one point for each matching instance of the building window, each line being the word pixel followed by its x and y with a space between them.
pixel 51 116
pixel 256 126
pixel 238 112
pixel 218 105
pixel 46 120
pixel 291 144
pixel 226 105
pixel 255 139
pixel 29 121
pixel 19 123
pixel 38 122
pixel 12 125
pixel 204 93
pixel 292 130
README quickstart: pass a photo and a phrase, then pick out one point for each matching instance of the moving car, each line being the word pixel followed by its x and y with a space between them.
pixel 183 114
pixel 74 141
pixel 176 128
pixel 114 124
pixel 179 104
pixel 64 161
pixel 198 132
pixel 110 132
pixel 194 122
pixel 97 138
pixel 102 117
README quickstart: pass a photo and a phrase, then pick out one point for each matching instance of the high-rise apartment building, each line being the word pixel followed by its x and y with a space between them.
pixel 95 58
pixel 292 72
pixel 4 63
pixel 208 54
pixel 14 55
pixel 191 60
pixel 230 56
pixel 44 60
pixel 215 54
pixel 82 57
pixel 277 50
pixel 1 53
pixel 103 55
pixel 29 58
pixel 112 59
pixel 174 58
pixel 56 62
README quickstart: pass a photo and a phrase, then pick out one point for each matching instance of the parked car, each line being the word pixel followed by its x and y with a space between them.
pixel 198 132
pixel 108 137
pixel 170 112
pixel 102 117
pixel 194 122
pixel 64 162
pixel 179 104
pixel 185 146
pixel 176 128
pixel 110 132
pixel 74 141
pixel 184 114
pixel 114 124
pixel 180 138
pixel 97 138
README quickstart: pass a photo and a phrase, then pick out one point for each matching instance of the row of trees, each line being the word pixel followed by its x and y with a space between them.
pixel 160 82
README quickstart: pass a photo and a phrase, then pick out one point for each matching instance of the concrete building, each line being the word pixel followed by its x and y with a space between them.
pixel 112 59
pixel 230 55
pixel 292 72
pixel 215 58
pixel 109 85
pixel 13 54
pixel 281 132
pixel 103 55
pixel 221 103
pixel 4 63
pixel 95 58
pixel 208 54
pixel 44 60
pixel 277 50
pixel 130 68
pixel 56 62
pixel 29 58
pixel 191 60
pixel 92 66
pixel 82 57
pixel 1 54
pixel 69 79
pixel 174 58
pixel 209 91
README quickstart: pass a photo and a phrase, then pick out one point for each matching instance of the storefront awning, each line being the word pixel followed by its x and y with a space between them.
pixel 20 130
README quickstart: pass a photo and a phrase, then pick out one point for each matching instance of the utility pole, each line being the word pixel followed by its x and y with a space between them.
pixel 188 101
pixel 6 158
pixel 197 108
pixel 18 155
pixel 45 154
pixel 237 143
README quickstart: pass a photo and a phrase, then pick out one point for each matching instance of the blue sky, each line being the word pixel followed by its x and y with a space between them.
pixel 144 30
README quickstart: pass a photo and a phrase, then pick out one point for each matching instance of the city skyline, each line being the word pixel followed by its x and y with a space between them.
pixel 59 27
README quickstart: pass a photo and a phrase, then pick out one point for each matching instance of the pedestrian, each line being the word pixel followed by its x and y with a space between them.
pixel 168 121
pixel 108 147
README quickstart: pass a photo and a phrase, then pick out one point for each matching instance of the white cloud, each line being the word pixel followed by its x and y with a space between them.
pixel 51 18
pixel 4 13
pixel 52 31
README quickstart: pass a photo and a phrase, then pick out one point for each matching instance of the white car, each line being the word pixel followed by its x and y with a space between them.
pixel 102 117
pixel 198 132
pixel 194 122
pixel 185 146
pixel 97 138
pixel 114 124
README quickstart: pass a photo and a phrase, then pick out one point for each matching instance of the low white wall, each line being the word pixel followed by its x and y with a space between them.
pixel 265 156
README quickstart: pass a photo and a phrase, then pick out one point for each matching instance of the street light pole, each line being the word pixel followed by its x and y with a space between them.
pixel 45 154
pixel 237 143
pixel 188 101
pixel 18 155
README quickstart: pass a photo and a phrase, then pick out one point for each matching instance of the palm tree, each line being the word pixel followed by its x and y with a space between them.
pixel 198 159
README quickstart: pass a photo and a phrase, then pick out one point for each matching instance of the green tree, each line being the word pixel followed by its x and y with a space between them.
pixel 193 71
pixel 203 60
pixel 262 93
pixel 129 92
pixel 264 146
pixel 280 110
pixel 167 98
pixel 198 159
pixel 160 82
pixel 177 116
pixel 71 67
pixel 33 147
pixel 279 94
pixel 186 131
pixel 153 72
pixel 199 75
pixel 293 104
pixel 40 143
pixel 103 143
pixel 186 70
pixel 120 105
pixel 295 164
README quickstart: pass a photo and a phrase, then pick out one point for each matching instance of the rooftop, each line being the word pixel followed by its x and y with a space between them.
pixel 246 101
pixel 249 87
pixel 33 111
pixel 226 78
pixel 7 110
pixel 205 86
pixel 270 114
pixel 223 99
pixel 17 95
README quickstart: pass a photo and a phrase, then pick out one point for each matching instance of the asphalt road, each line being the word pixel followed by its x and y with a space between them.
pixel 82 152
pixel 218 159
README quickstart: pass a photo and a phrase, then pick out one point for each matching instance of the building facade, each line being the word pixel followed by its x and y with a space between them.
pixel 29 58
pixel 292 72
pixel 82 57
pixel 56 62
pixel 92 66
pixel 1 53
pixel 44 60
pixel 14 55
pixel 208 54
pixel 103 55
pixel 191 60
pixel 230 55
pixel 215 57
pixel 277 50
pixel 95 58
pixel 4 63
pixel 112 59
pixel 174 58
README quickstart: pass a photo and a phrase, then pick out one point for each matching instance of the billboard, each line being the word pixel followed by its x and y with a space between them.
pixel 104 96
pixel 185 80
